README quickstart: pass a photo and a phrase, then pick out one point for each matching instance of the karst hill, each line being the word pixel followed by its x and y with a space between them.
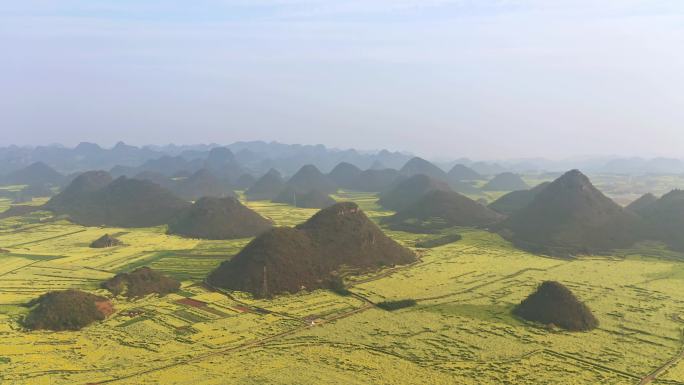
pixel 570 216
pixel 92 199
pixel 291 259
pixel 408 191
pixel 141 282
pixel 440 209
pixel 553 304
pixel 218 218
pixel 66 310
pixel 506 181
pixel 267 187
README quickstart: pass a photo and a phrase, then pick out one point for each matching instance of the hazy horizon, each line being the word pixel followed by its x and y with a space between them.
pixel 442 159
pixel 438 78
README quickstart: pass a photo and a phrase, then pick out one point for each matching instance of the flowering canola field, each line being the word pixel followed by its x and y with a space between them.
pixel 460 331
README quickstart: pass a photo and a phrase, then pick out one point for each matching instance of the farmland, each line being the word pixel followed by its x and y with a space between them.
pixel 460 330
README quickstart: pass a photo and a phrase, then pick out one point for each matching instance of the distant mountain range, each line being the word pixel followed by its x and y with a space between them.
pixel 254 157
pixel 257 157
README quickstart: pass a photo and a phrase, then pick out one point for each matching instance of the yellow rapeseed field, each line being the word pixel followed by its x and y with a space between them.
pixel 460 331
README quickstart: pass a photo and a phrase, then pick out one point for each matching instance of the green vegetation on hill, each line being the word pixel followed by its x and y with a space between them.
pixel 553 304
pixel 665 219
pixel 310 178
pixel 141 282
pixel 123 202
pixel 290 259
pixel 439 209
pixel 460 173
pixel 376 180
pixel 79 190
pixel 506 181
pixel 344 175
pixel 105 241
pixel 37 173
pixel 516 200
pixel 267 187
pixel 66 310
pixel 570 216
pixel 202 183
pixel 313 199
pixel 156 177
pixel 218 218
pixel 336 284
pixel 416 166
pixel 410 190
pixel 642 204
pixel 167 165
pixel 222 163
pixel 244 182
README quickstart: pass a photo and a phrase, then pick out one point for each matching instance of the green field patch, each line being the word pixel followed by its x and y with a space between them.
pixel 676 272
pixel 185 331
pixel 133 321
pixel 433 242
pixel 13 187
pixel 146 261
pixel 496 313
pixel 185 293
pixel 13 309
pixel 396 304
pixel 45 239
pixel 191 316
pixel 186 267
pixel 35 257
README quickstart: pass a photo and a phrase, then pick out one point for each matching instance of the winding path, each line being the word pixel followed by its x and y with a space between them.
pixel 664 367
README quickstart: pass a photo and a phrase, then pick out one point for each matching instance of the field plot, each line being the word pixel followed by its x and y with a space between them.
pixel 465 292
pixel 368 202
pixel 5 203
pixel 284 215
pixel 280 213
pixel 460 331
pixel 624 189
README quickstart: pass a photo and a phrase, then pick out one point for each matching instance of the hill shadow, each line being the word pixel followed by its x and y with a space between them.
pixel 498 313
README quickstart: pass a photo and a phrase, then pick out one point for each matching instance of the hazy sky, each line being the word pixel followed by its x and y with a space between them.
pixel 441 78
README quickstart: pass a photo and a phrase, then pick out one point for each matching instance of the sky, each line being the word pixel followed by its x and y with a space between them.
pixel 486 79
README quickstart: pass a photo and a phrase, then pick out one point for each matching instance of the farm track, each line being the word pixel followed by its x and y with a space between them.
pixel 296 332
pixel 239 347
pixel 47 239
pixel 476 287
pixel 24 228
pixel 368 305
pixel 386 273
pixel 664 367
pixel 256 308
pixel 590 363
pixel 390 271
pixel 19 268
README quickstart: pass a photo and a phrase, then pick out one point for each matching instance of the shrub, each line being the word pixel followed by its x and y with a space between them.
pixel 396 305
